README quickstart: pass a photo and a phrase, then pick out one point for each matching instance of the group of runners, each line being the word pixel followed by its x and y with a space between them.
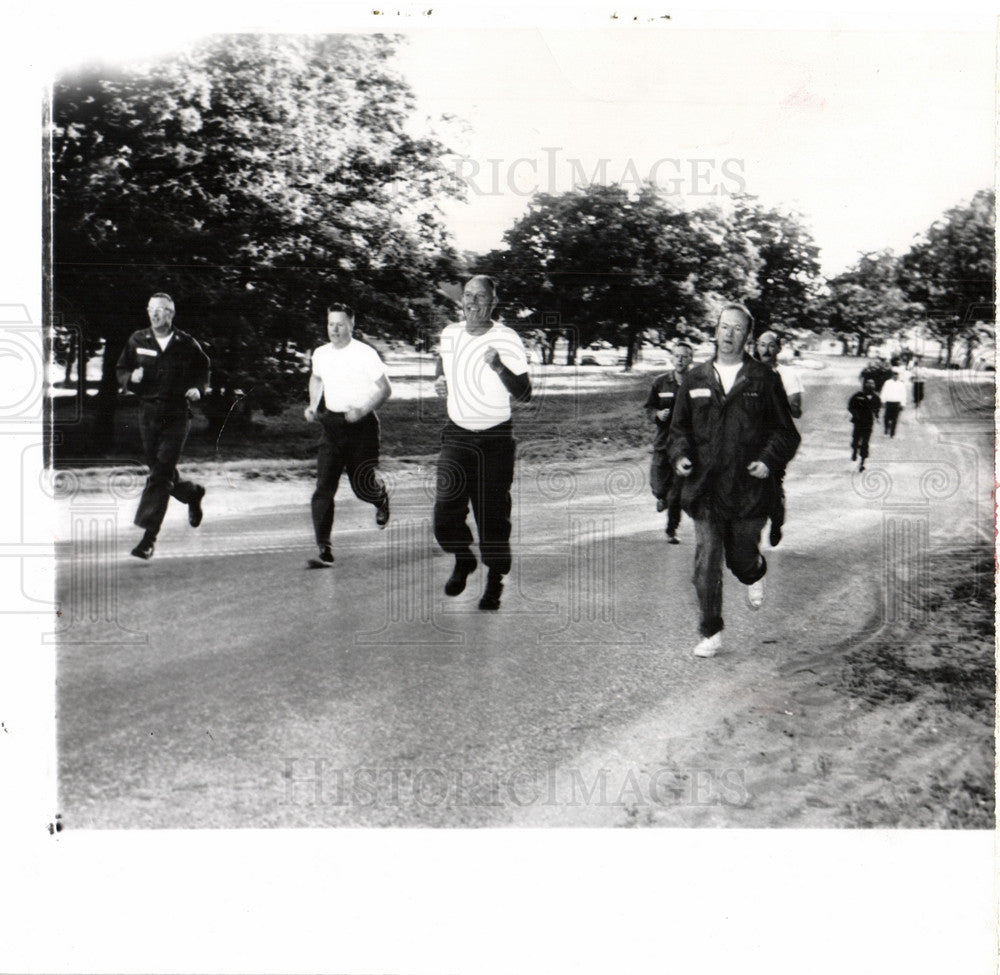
pixel 481 369
pixel 725 435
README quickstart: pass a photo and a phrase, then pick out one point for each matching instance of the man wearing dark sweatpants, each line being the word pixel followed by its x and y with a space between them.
pixel 864 408
pixel 659 406
pixel 732 429
pixel 482 367
pixel 169 371
pixel 348 383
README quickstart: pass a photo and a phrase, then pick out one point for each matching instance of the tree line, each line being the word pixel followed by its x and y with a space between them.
pixel 255 177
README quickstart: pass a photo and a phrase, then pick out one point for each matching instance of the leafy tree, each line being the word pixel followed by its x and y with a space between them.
pixel 599 262
pixel 789 271
pixel 951 271
pixel 866 304
pixel 251 177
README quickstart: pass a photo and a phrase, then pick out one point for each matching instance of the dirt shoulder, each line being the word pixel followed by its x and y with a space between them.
pixel 893 730
pixel 896 731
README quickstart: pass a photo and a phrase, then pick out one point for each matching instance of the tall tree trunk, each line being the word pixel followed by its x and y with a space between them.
pixel 631 342
pixel 970 341
pixel 106 402
pixel 72 353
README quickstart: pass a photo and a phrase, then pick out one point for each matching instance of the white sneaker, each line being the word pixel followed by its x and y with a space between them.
pixel 709 646
pixel 756 592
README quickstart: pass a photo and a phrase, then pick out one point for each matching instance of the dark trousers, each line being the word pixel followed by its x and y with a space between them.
pixel 666 486
pixel 353 447
pixel 735 538
pixel 778 509
pixel 891 413
pixel 475 468
pixel 163 437
pixel 859 441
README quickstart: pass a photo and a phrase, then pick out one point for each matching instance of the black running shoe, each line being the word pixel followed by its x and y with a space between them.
pixel 465 565
pixel 493 592
pixel 144 550
pixel 382 514
pixel 195 514
pixel 325 559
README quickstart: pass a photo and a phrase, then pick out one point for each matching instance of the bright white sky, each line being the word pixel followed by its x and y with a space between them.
pixel 871 135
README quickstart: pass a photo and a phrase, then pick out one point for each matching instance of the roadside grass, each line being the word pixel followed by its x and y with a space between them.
pixel 570 425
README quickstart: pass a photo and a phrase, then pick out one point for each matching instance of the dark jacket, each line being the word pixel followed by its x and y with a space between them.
pixel 721 435
pixel 864 409
pixel 167 374
pixel 662 396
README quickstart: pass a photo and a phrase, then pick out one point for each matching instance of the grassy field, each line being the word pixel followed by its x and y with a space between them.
pixel 580 421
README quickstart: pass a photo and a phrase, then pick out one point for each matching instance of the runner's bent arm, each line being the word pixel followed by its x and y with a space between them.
pixel 125 365
pixel 382 392
pixel 680 446
pixel 199 364
pixel 783 439
pixel 315 395
pixel 315 391
pixel 519 386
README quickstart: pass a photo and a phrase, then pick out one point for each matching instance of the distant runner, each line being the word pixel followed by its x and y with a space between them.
pixel 659 406
pixel 864 408
pixel 917 378
pixel 893 400
pixel 768 348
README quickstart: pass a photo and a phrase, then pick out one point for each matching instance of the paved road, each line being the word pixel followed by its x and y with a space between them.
pixel 223 684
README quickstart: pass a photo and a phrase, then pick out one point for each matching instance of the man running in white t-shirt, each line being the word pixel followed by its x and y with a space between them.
pixel 482 367
pixel 348 383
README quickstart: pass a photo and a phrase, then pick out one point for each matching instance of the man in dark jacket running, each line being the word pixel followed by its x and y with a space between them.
pixel 732 429
pixel 659 408
pixel 169 371
pixel 864 407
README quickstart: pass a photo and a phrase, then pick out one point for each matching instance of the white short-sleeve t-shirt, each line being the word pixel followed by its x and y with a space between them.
pixel 477 399
pixel 790 380
pixel 349 374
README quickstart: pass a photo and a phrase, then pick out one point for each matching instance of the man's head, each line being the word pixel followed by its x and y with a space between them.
pixel 734 327
pixel 478 300
pixel 683 357
pixel 868 385
pixel 768 347
pixel 161 313
pixel 339 324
